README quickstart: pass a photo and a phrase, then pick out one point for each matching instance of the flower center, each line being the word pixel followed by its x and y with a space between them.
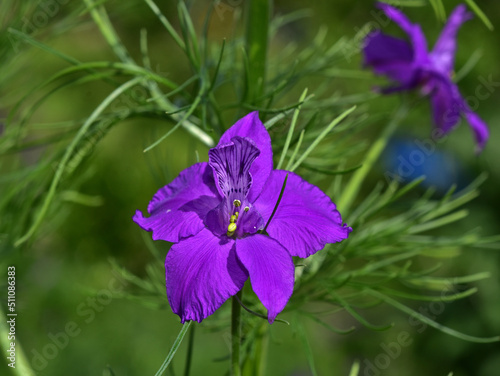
pixel 231 228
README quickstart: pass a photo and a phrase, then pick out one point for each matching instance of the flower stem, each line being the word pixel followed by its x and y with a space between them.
pixel 236 334
pixel 257 35
pixel 351 190
pixel 261 347
pixel 189 355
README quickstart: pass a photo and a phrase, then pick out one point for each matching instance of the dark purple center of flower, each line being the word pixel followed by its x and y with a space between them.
pixel 235 215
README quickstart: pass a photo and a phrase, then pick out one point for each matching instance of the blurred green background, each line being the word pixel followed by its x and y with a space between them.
pixel 73 318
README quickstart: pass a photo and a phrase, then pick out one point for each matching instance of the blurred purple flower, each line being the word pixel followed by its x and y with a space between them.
pixel 216 212
pixel 410 65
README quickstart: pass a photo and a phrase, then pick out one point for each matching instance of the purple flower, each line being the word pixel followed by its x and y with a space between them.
pixel 410 65
pixel 215 213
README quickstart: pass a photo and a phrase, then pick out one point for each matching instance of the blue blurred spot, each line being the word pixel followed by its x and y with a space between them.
pixel 406 159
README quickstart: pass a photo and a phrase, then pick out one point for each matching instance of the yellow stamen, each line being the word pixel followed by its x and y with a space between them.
pixel 231 229
pixel 237 203
pixel 247 208
pixel 236 214
pixel 233 218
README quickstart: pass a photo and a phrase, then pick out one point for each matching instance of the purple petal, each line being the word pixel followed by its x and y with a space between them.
pixel 231 165
pixel 202 273
pixel 178 209
pixel 249 221
pixel 389 56
pixel 414 32
pixel 251 127
pixel 479 128
pixel 446 103
pixel 271 271
pixel 443 54
pixel 306 218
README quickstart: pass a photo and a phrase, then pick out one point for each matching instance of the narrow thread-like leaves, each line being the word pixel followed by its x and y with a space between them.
pixel 174 348
pixel 318 139
pixel 431 322
pixel 290 130
pixel 69 151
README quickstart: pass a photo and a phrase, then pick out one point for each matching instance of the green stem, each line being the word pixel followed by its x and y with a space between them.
pixel 258 17
pixel 351 190
pixel 189 355
pixel 236 334
pixel 100 17
pixel 261 347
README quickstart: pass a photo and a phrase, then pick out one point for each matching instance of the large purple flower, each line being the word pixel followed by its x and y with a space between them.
pixel 215 214
pixel 410 65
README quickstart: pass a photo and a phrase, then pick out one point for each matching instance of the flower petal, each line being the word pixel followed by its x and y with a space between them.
pixel 306 218
pixel 446 103
pixel 479 128
pixel 443 54
pixel 271 271
pixel 251 127
pixel 178 209
pixel 202 272
pixel 231 165
pixel 389 56
pixel 414 31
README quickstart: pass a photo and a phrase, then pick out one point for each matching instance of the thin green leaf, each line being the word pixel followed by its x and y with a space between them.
pixel 438 7
pixel 318 139
pixel 296 150
pixel 328 326
pixel 372 266
pixel 330 172
pixel 69 151
pixel 307 347
pixel 101 18
pixel 429 321
pixel 456 216
pixel 179 123
pixel 174 348
pixel 42 46
pixel 350 192
pixel 480 14
pixel 82 199
pixel 358 317
pixel 440 298
pixel 189 34
pixel 440 283
pixel 167 24
pixel 217 67
pixel 290 130
pixel 355 369
pixel 257 314
pixel 471 62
